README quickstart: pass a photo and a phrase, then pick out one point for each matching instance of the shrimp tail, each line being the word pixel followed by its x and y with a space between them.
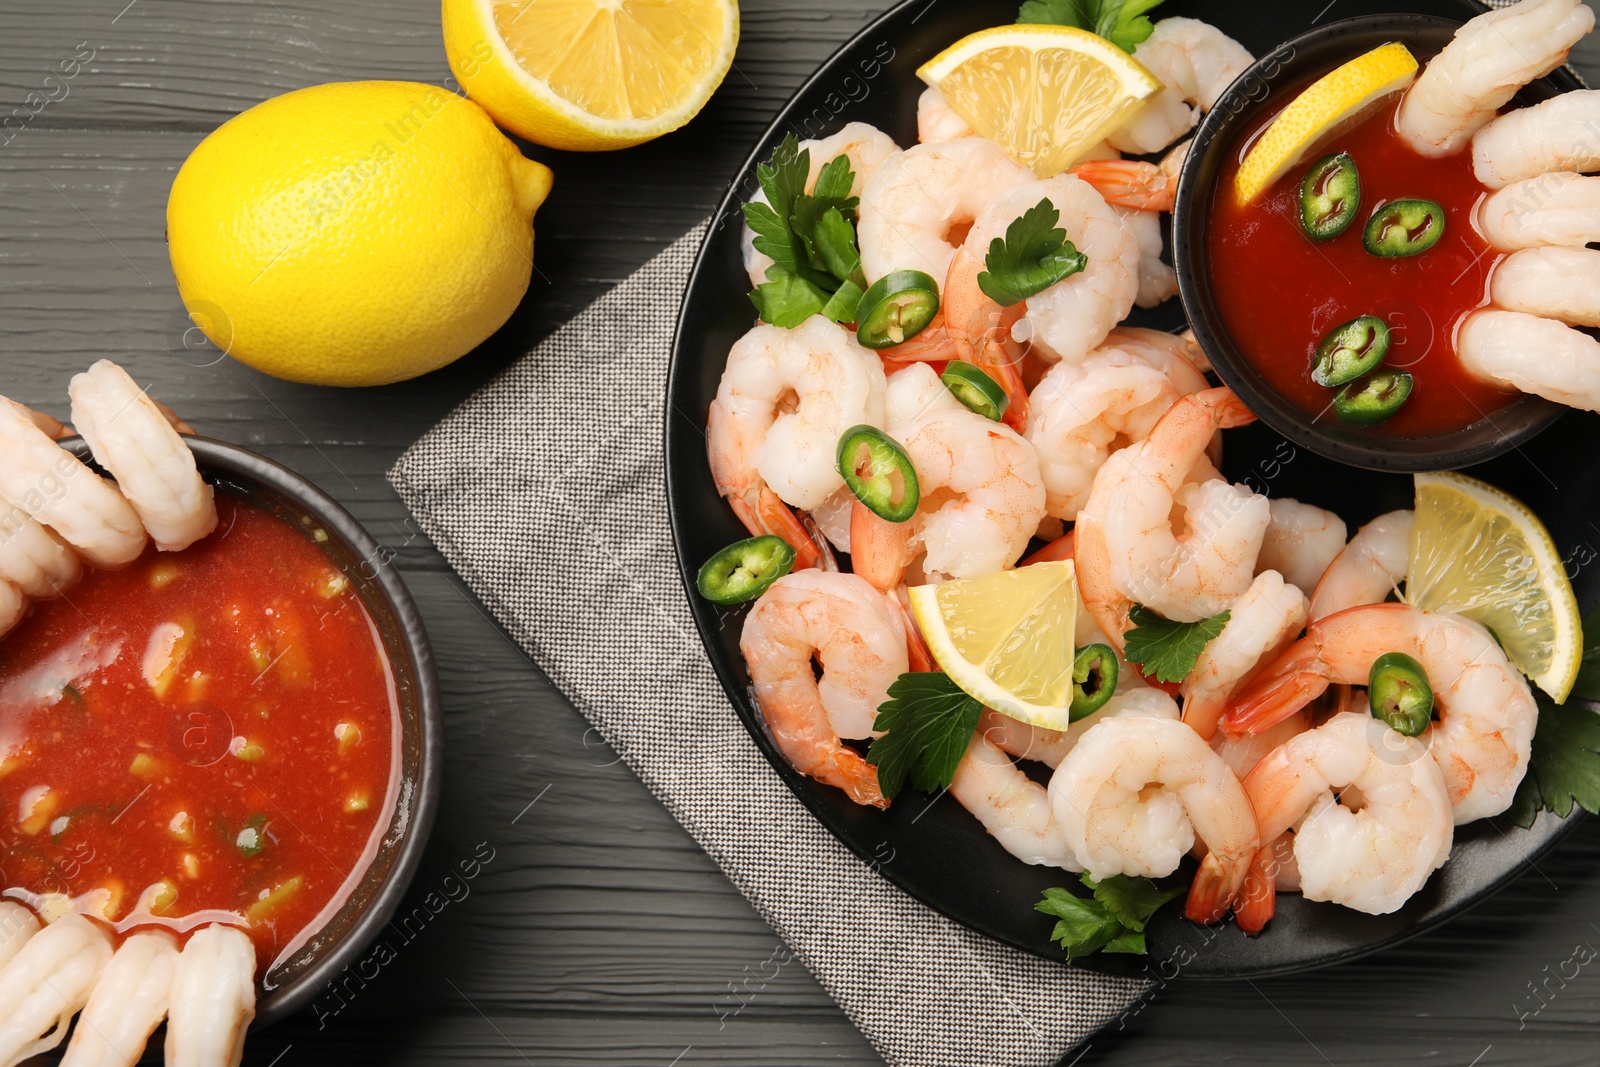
pixel 768 514
pixel 1129 183
pixel 1294 680
pixel 1216 886
pixel 878 547
pixel 1258 900
pixel 1228 411
pixel 1059 549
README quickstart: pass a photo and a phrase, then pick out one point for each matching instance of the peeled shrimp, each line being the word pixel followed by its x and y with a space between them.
pixel 937 121
pixel 1371 858
pixel 1178 356
pixel 1300 542
pixel 1270 614
pixel 1135 793
pixel 1485 712
pixel 866 146
pixel 1556 135
pixel 1369 568
pixel 1552 283
pixel 915 200
pixel 46 983
pixel 17 925
pixel 856 633
pixel 1133 700
pixel 54 488
pixel 33 559
pixel 1241 752
pixel 1196 62
pixel 773 434
pixel 128 1002
pixel 13 607
pixel 1532 354
pixel 213 999
pixel 49 425
pixel 133 439
pixel 1552 209
pixel 1481 69
pixel 1128 550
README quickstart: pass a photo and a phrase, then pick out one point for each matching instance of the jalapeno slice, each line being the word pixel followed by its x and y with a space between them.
pixel 745 569
pixel 879 473
pixel 1094 680
pixel 1349 351
pixel 1399 693
pixel 1404 228
pixel 976 389
pixel 1330 197
pixel 896 308
pixel 1370 400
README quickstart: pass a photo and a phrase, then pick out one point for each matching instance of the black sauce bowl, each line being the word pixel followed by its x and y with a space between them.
pixel 1260 88
pixel 296 981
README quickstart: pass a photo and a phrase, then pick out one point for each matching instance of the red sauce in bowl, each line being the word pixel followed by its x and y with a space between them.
pixel 1279 292
pixel 208 735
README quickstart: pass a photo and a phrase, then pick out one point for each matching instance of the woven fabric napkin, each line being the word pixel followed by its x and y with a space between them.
pixel 540 512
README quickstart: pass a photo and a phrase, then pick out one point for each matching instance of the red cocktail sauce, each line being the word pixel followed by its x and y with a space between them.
pixel 219 723
pixel 1279 292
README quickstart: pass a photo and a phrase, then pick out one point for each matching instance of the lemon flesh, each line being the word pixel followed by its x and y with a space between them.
pixel 354 234
pixel 1482 553
pixel 1007 639
pixel 591 75
pixel 1330 102
pixel 1046 94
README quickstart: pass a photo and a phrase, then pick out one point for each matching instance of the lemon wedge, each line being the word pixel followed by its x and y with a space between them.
pixel 1482 553
pixel 1007 639
pixel 1330 101
pixel 589 75
pixel 1046 94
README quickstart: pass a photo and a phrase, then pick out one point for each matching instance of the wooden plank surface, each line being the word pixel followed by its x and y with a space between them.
pixel 599 933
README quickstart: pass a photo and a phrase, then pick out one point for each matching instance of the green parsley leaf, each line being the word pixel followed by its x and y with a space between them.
pixel 842 305
pixel 1131 900
pixel 1165 649
pixel 1122 22
pixel 786 299
pixel 1033 256
pixel 1083 926
pixel 1587 687
pixel 1566 758
pixel 1130 943
pixel 926 722
pixel 1112 921
pixel 835 241
pixel 834 182
pixel 783 177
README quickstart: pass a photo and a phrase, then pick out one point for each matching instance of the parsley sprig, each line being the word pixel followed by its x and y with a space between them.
pixel 1167 650
pixel 928 721
pixel 1564 769
pixel 1122 22
pixel 1032 257
pixel 1113 920
pixel 810 238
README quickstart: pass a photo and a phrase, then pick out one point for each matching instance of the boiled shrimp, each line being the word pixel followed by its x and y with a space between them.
pixel 1367 569
pixel 1133 699
pixel 1241 752
pixel 1553 209
pixel 1552 283
pixel 784 400
pixel 55 489
pixel 857 635
pixel 34 559
pixel 1269 615
pixel 1135 793
pixel 17 925
pixel 1371 858
pixel 1534 355
pixel 1178 356
pixel 49 425
pixel 128 1002
pixel 1301 541
pixel 213 998
pixel 937 121
pixel 46 983
pixel 156 471
pixel 1485 712
pixel 1196 62
pixel 1481 69
pixel 1556 135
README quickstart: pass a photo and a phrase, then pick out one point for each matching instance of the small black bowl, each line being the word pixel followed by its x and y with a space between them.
pixel 1261 87
pixel 243 474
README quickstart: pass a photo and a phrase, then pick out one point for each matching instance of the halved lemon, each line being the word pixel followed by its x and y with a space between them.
pixel 1482 553
pixel 1046 94
pixel 1330 101
pixel 590 75
pixel 1007 639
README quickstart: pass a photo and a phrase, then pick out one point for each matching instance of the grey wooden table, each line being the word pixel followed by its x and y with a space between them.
pixel 599 933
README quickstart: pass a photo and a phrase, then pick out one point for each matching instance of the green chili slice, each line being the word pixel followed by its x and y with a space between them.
pixel 1330 197
pixel 976 389
pixel 745 569
pixel 1094 680
pixel 1399 693
pixel 1404 228
pixel 1370 400
pixel 879 473
pixel 896 308
pixel 1349 351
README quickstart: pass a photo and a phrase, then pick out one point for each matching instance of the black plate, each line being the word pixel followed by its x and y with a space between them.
pixel 931 847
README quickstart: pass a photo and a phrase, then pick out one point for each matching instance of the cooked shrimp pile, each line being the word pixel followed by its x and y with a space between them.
pixel 1264 763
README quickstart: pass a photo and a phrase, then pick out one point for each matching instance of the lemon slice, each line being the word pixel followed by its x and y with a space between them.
pixel 1481 553
pixel 1007 639
pixel 589 75
pixel 1046 94
pixel 1329 102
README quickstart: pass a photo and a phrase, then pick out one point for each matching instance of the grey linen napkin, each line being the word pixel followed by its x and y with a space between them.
pixel 538 512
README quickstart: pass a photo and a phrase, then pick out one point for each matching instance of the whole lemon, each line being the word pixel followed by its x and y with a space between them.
pixel 358 233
